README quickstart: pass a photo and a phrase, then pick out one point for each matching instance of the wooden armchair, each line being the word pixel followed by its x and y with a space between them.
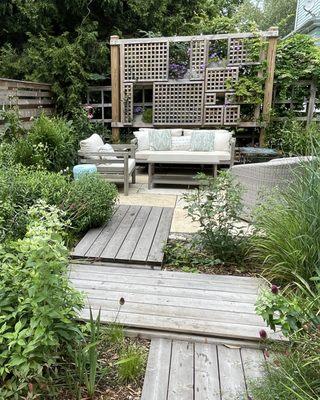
pixel 117 170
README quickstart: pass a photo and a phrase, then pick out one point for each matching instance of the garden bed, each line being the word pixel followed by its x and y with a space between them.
pixel 122 378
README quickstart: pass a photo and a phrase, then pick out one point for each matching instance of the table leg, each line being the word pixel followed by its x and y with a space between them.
pixel 150 175
pixel 215 170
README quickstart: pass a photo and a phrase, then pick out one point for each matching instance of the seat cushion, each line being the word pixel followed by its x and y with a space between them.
pixel 116 167
pixel 184 156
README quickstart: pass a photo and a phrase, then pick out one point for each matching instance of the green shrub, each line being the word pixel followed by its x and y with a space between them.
pixel 21 188
pixel 37 305
pixel 56 140
pixel 293 138
pixel 147 115
pixel 216 206
pixel 287 242
pixel 90 202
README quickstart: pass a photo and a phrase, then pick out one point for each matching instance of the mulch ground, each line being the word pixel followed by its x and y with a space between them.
pixel 109 388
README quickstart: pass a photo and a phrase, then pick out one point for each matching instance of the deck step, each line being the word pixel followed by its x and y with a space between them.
pixel 184 370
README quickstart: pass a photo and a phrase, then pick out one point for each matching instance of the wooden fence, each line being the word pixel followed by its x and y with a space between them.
pixel 29 98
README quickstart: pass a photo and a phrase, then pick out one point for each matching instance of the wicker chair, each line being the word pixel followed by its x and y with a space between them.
pixel 261 178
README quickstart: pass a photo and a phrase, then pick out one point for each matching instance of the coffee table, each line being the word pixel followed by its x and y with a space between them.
pixel 178 179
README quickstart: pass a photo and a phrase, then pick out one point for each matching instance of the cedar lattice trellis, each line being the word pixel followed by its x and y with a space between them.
pixel 205 97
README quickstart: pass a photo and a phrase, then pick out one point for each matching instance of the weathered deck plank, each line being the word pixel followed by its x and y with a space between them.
pixel 199 371
pixel 157 374
pixel 169 302
pixel 135 234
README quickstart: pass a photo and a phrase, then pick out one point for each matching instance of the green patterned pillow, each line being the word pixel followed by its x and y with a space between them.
pixel 160 140
pixel 202 141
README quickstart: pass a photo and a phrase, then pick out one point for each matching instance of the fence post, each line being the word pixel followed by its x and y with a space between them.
pixel 115 88
pixel 268 90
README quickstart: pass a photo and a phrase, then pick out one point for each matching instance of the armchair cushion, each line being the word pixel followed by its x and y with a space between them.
pixel 92 144
pixel 107 148
pixel 116 167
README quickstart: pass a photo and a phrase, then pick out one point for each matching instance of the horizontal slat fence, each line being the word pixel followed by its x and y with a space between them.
pixel 30 98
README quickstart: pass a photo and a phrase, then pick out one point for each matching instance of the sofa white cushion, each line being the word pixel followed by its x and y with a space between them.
pixel 116 167
pixel 180 143
pixel 91 145
pixel 174 132
pixel 222 140
pixel 143 140
pixel 107 148
pixel 200 156
pixel 188 132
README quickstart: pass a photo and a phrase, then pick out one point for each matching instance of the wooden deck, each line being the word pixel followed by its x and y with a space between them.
pixel 211 305
pixel 135 234
pixel 180 370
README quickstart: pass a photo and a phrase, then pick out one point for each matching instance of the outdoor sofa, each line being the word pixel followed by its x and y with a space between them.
pixel 186 146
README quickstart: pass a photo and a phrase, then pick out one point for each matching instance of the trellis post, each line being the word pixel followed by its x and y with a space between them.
pixel 115 89
pixel 268 91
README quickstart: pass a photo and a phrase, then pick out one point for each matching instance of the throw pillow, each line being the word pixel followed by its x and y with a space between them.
pixel 176 132
pixel 181 143
pixel 202 141
pixel 188 132
pixel 222 140
pixel 143 140
pixel 160 140
pixel 107 148
pixel 91 145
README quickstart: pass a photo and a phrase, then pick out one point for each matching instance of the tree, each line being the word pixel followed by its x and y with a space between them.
pixel 267 13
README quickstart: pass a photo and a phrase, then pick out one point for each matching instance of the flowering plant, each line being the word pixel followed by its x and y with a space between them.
pixel 89 110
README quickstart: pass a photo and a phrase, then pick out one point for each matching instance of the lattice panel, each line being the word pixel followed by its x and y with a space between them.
pixel 198 58
pixel 127 103
pixel 231 115
pixel 237 52
pixel 177 103
pixel 213 115
pixel 210 98
pixel 145 61
pixel 217 78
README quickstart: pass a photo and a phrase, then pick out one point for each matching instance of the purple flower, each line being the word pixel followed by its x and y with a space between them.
pixel 263 334
pixel 274 289
pixel 137 110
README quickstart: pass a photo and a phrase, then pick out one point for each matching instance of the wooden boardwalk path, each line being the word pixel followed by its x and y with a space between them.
pixel 211 305
pixel 180 370
pixel 135 234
